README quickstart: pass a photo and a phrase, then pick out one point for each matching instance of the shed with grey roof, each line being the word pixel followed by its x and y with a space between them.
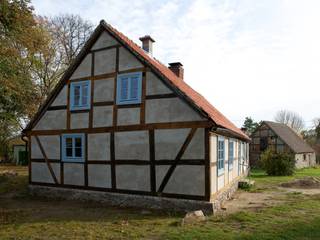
pixel 281 138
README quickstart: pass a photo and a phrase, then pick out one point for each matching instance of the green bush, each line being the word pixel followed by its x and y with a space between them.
pixel 277 164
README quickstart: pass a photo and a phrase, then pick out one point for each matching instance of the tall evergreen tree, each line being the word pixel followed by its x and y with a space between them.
pixel 250 125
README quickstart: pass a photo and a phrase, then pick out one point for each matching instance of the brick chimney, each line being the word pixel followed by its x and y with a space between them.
pixel 177 69
pixel 147 42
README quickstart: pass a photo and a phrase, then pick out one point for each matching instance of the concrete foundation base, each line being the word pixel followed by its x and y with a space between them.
pixel 218 199
pixel 139 201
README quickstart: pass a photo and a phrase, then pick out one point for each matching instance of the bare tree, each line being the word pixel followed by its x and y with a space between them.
pixel 71 32
pixel 291 119
pixel 67 34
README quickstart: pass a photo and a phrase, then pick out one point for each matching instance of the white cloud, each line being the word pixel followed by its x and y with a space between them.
pixel 249 58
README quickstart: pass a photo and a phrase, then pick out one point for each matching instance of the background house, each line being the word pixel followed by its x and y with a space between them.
pixel 280 138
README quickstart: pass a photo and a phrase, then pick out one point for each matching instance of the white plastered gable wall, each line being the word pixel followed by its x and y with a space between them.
pixel 172 109
pixel 175 109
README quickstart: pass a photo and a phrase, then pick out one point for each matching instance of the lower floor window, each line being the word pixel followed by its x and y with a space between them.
pixel 73 147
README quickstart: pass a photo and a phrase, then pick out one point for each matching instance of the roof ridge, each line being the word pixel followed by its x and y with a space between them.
pixel 192 95
pixel 116 30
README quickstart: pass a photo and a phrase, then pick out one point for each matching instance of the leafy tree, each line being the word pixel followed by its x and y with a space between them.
pixel 250 125
pixel 277 164
pixel 317 129
pixel 34 53
pixel 312 137
pixel 20 39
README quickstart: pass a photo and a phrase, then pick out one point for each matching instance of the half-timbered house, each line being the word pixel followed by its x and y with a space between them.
pixel 280 138
pixel 123 124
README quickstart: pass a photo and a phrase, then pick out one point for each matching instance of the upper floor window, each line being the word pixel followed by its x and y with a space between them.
pixel 129 88
pixel 220 155
pixel 73 147
pixel 80 95
pixel 230 154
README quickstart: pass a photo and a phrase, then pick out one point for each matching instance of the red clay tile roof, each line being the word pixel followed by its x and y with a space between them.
pixel 193 95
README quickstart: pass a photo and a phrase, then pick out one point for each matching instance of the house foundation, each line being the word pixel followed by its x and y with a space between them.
pixel 138 201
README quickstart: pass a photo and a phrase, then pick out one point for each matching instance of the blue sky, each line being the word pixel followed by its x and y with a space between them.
pixel 248 57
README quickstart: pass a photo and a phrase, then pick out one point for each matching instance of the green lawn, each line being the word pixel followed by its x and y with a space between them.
pixel 23 217
pixel 267 183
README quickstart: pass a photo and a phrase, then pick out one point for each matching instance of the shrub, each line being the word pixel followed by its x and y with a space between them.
pixel 277 164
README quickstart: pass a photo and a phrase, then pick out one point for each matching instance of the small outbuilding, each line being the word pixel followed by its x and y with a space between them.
pixel 15 152
pixel 280 138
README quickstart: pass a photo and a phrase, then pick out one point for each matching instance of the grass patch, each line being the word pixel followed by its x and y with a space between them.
pixel 298 217
pixel 13 184
pixel 265 182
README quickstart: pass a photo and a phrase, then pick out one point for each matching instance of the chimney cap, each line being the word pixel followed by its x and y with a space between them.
pixel 177 69
pixel 175 64
pixel 147 37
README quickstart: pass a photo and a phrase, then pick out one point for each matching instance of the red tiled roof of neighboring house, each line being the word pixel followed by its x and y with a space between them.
pixel 193 95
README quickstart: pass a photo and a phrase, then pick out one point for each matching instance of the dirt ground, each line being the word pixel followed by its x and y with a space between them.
pixel 244 200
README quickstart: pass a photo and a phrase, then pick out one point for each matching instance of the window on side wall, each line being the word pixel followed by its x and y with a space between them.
pixel 73 147
pixel 129 88
pixel 220 155
pixel 80 95
pixel 230 154
pixel 239 158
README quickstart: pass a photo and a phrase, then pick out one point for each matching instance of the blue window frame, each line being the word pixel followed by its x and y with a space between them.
pixel 129 88
pixel 239 156
pixel 73 147
pixel 80 95
pixel 220 155
pixel 230 154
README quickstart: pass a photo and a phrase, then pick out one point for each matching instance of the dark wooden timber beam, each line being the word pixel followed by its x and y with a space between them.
pixel 170 125
pixel 178 157
pixel 160 96
pixel 112 161
pixel 47 160
pixel 152 161
pixel 207 165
